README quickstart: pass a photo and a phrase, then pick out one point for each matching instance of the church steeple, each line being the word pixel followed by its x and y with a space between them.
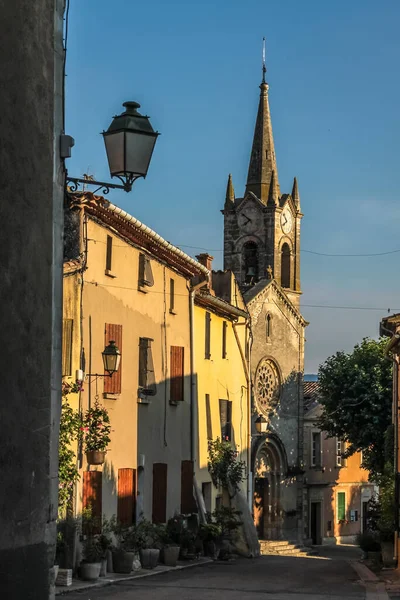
pixel 230 193
pixel 295 194
pixel 262 160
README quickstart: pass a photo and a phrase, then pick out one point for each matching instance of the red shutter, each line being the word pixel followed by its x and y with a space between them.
pixel 92 494
pixel 177 373
pixel 126 496
pixel 159 493
pixel 112 385
pixel 188 504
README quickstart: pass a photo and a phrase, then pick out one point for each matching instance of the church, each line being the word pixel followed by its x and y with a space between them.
pixel 262 249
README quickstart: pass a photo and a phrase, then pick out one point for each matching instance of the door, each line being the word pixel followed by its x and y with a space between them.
pixel 260 505
pixel 315 523
pixel 364 516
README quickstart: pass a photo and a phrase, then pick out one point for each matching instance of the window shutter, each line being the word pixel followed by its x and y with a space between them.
pixel 208 336
pixel 67 347
pixel 112 385
pixel 177 373
pixel 188 504
pixel 208 417
pixel 92 495
pixel 109 253
pixel 171 295
pixel 341 506
pixel 159 493
pixel 224 329
pixel 225 411
pixel 147 382
pixel 145 272
pixel 126 496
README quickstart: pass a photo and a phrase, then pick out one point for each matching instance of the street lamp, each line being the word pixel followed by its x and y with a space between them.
pixel 111 358
pixel 129 142
pixel 261 424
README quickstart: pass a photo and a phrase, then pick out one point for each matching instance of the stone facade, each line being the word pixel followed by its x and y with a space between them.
pixel 262 249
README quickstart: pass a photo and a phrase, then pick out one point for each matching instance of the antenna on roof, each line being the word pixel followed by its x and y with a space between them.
pixel 264 68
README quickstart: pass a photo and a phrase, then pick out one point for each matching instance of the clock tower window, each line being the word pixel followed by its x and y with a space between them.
pixel 250 262
pixel 285 266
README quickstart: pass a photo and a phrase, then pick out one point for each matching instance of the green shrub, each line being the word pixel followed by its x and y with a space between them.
pixel 368 541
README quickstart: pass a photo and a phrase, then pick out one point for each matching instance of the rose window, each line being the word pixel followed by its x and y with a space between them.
pixel 267 385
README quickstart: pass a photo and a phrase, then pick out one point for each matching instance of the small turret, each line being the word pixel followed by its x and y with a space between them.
pixel 230 194
pixel 273 195
pixel 295 194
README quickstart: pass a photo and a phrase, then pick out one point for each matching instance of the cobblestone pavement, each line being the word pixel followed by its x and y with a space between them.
pixel 328 577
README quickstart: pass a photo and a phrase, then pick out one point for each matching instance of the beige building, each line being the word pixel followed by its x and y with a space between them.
pixel 337 489
pixel 123 282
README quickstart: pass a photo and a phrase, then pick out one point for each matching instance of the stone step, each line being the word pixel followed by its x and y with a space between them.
pixel 272 547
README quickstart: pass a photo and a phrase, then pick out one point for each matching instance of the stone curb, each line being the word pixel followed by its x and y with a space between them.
pixel 104 582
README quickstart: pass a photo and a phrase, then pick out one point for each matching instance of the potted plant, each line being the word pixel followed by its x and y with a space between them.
pixel 149 545
pixel 211 534
pixel 170 547
pixel 95 433
pixel 91 563
pixel 125 547
pixel 105 545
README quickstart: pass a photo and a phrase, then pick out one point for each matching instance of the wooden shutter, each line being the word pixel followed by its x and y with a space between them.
pixel 109 253
pixel 224 329
pixel 67 347
pixel 171 295
pixel 177 373
pixel 92 495
pixel 208 417
pixel 112 385
pixel 341 506
pixel 225 411
pixel 159 493
pixel 188 504
pixel 126 496
pixel 208 336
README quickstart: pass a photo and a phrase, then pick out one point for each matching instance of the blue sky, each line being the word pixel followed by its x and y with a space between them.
pixel 195 67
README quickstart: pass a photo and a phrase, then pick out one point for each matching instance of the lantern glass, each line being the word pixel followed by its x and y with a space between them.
pixel 115 144
pixel 111 358
pixel 261 424
pixel 139 149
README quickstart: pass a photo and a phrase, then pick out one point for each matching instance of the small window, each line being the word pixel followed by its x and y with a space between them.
pixel 268 321
pixel 177 374
pixel 224 329
pixel 172 296
pixel 285 266
pixel 145 273
pixel 67 347
pixel 329 526
pixel 109 254
pixel 341 506
pixel 208 417
pixel 340 448
pixel 147 382
pixel 225 412
pixel 316 449
pixel 208 336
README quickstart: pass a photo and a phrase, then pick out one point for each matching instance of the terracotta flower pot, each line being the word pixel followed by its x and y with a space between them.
pixel 123 561
pixel 170 555
pixel 95 457
pixel 149 558
pixel 90 571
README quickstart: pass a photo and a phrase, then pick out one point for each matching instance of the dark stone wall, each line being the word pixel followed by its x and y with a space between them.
pixel 31 180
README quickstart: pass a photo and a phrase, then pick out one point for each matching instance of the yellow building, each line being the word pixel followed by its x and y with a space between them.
pixel 221 365
pixel 123 282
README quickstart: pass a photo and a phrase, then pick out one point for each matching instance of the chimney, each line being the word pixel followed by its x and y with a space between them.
pixel 206 260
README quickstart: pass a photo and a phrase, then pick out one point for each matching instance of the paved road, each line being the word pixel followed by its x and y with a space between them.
pixel 266 578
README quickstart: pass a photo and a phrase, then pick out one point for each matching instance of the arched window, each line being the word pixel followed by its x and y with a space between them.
pixel 250 262
pixel 285 266
pixel 268 323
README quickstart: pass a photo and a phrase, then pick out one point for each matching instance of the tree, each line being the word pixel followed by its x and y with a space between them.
pixel 356 395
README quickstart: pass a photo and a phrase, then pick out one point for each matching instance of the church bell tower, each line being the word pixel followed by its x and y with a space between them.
pixel 262 229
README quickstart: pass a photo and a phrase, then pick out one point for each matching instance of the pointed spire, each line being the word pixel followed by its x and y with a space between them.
pixel 230 192
pixel 262 159
pixel 273 195
pixel 295 194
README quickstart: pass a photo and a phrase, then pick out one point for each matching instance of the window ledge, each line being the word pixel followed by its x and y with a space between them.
pixel 109 396
pixel 109 273
pixel 142 288
pixel 172 312
pixel 143 400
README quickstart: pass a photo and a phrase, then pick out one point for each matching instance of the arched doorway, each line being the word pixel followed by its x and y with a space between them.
pixel 269 471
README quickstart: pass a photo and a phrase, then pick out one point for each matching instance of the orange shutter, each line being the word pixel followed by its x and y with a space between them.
pixel 92 494
pixel 188 504
pixel 177 373
pixel 126 496
pixel 112 385
pixel 67 347
pixel 159 493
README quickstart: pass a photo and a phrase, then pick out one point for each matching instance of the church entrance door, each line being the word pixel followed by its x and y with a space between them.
pixel 260 501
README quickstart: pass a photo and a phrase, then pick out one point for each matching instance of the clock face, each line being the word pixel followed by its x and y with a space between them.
pixel 247 219
pixel 286 221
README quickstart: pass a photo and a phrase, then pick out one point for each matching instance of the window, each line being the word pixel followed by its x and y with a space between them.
pixel 188 504
pixel 147 382
pixel 112 385
pixel 208 417
pixel 177 374
pixel 250 262
pixel 109 255
pixel 207 495
pixel 126 496
pixel 172 296
pixel 316 449
pixel 159 493
pixel 285 266
pixel 340 448
pixel 67 347
pixel 224 329
pixel 341 506
pixel 208 336
pixel 225 412
pixel 354 516
pixel 145 273
pixel 268 322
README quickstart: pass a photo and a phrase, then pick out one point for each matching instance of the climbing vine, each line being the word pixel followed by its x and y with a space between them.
pixel 69 430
